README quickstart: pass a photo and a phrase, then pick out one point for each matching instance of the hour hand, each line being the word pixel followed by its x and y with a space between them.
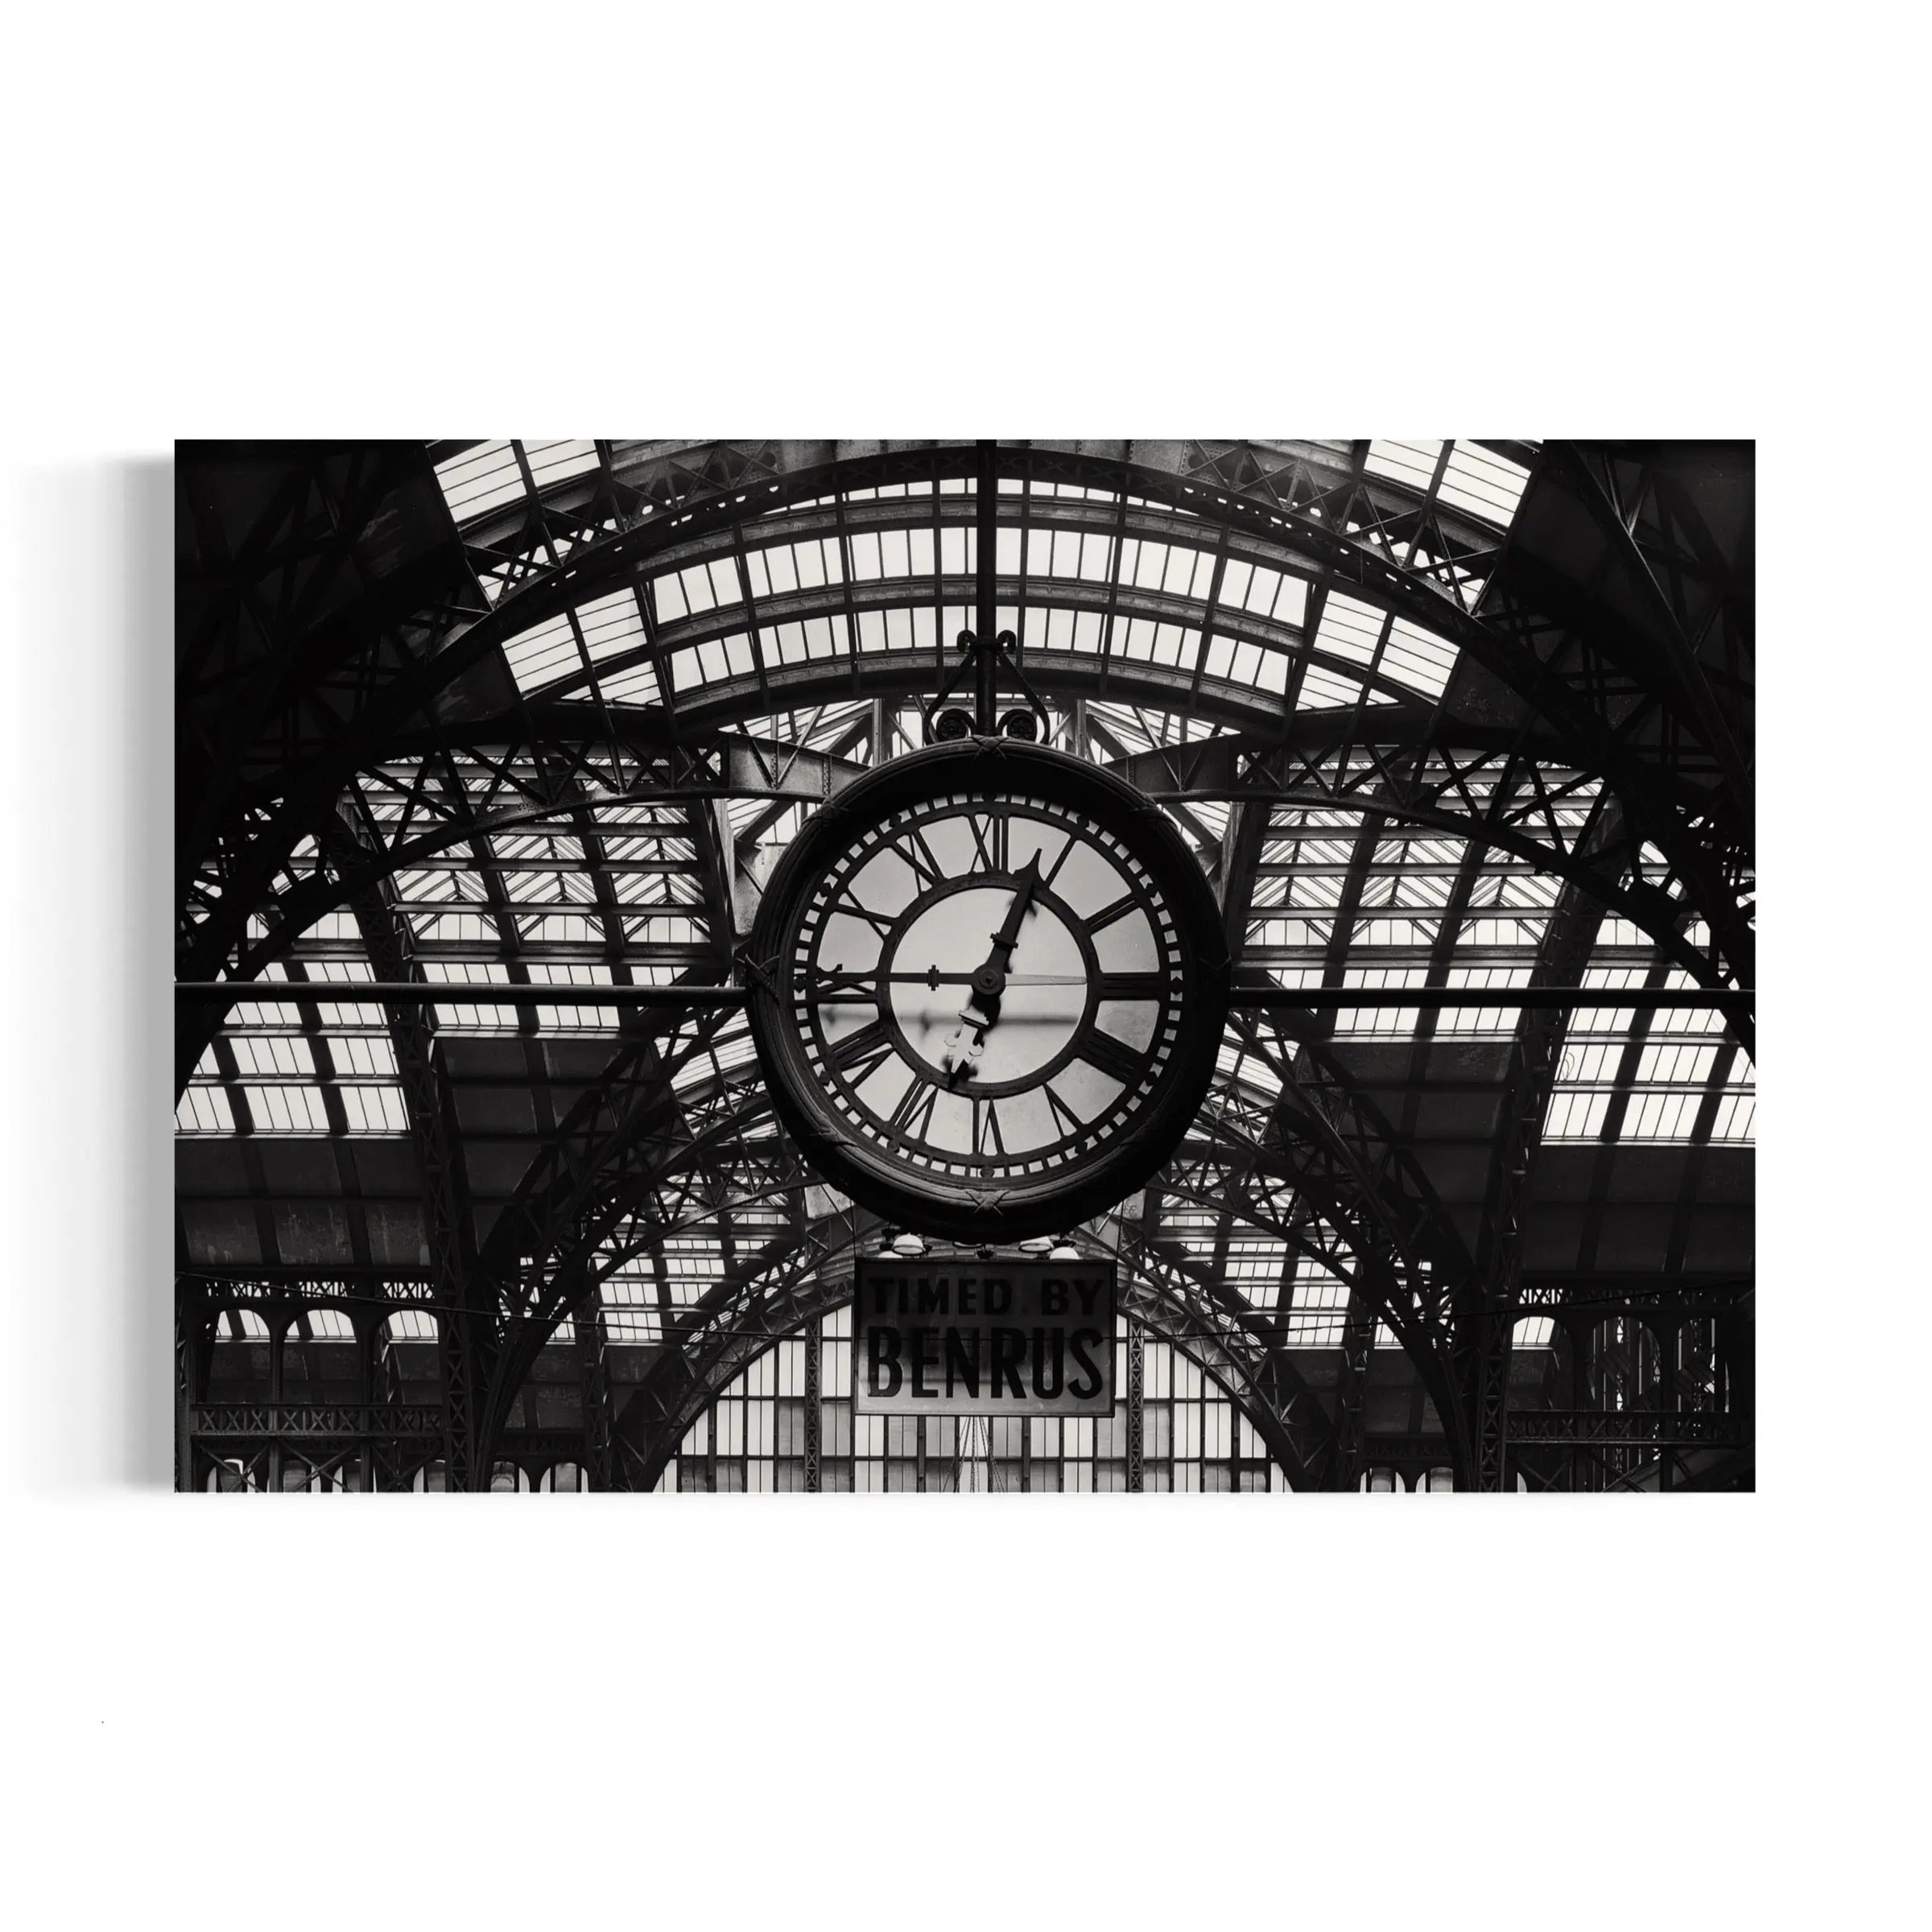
pixel 962 1054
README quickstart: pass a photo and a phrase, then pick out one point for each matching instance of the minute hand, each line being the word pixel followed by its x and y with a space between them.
pixel 982 1006
pixel 989 982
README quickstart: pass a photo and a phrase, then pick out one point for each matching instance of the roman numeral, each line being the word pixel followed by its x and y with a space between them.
pixel 914 1114
pixel 829 982
pixel 1133 985
pixel 1112 1057
pixel 860 1054
pixel 989 840
pixel 880 922
pixel 921 858
pixel 1065 1121
pixel 986 1136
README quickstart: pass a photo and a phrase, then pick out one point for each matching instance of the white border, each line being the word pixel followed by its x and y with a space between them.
pixel 1694 221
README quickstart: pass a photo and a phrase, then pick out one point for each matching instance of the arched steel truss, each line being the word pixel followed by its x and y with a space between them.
pixel 1589 685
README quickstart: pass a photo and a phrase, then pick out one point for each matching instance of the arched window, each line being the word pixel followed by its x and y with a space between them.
pixel 753 1436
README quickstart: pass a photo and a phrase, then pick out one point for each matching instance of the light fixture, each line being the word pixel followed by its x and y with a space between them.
pixel 1063 1250
pixel 1039 1245
pixel 908 1247
pixel 886 1238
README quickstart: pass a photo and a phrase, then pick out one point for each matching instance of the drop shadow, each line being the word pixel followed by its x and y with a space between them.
pixel 102 537
pixel 146 1454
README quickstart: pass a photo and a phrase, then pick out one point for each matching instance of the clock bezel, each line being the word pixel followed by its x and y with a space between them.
pixel 968 1208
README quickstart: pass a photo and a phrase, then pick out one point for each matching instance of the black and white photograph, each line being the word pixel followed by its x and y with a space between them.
pixel 885 963
pixel 689 951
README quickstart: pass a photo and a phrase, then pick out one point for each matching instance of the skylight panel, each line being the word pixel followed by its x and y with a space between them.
pixel 611 625
pixel 1418 658
pixel 541 656
pixel 561 928
pixel 773 572
pixel 369 1108
pixel 1254 1268
pixel 708 586
pixel 1264 593
pixel 1517 885
pixel 479 480
pixel 1067 630
pixel 283 1055
pixel 636 684
pixel 1412 464
pixel 1522 933
pixel 629 1295
pixel 1379 1022
pixel 1241 663
pixel 1320 1307
pixel 1084 554
pixel 266 1013
pixel 1574 1116
pixel 1676 1063
pixel 1188 574
pixel 558 460
pixel 1374 934
pixel 462 1016
pixel 717 658
pixel 1660 1116
pixel 1350 629
pixel 1687 1019
pixel 336 1013
pixel 1323 690
pixel 664 929
pixel 573 1018
pixel 1479 1022
pixel 1615 1021
pixel 287 1108
pixel 370 1056
pixel 422 884
pixel 204 1109
pixel 1736 1119
pixel 667 598
pixel 1159 643
pixel 1261 591
pixel 1483 484
pixel 1179 570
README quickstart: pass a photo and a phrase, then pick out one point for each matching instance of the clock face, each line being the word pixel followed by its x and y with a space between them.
pixel 993 983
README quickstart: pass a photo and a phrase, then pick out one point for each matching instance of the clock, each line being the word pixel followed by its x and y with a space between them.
pixel 988 983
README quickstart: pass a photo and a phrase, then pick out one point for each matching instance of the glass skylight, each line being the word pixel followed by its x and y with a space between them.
pixel 1483 484
pixel 1097 586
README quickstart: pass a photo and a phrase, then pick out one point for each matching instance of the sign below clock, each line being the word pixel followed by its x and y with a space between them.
pixel 961 1336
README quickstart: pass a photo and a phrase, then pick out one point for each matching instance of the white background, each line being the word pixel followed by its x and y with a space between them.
pixel 1680 220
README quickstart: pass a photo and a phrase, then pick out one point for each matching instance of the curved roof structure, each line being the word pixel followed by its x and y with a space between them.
pixel 530 720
